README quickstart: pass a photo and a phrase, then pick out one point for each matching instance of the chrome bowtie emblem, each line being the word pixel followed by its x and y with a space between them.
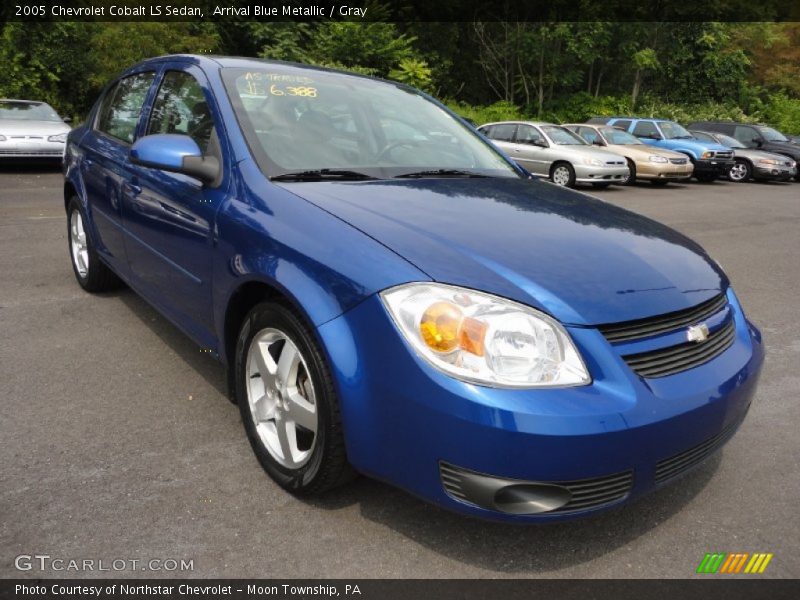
pixel 697 333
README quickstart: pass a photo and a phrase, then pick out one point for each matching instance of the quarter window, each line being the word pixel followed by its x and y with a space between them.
pixel 181 108
pixel 120 111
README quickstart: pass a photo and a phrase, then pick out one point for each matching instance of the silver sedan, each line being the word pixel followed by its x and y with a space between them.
pixel 556 152
pixel 31 129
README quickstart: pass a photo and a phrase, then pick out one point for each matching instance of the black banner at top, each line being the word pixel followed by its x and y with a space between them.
pixel 401 10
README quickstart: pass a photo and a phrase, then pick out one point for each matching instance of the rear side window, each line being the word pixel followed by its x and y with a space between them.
pixel 623 124
pixel 122 106
pixel 503 133
pixel 645 129
pixel 180 107
pixel 745 134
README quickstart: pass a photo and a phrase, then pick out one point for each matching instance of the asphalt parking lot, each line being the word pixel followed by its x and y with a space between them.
pixel 117 441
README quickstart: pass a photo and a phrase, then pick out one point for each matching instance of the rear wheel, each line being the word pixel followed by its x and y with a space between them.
pixel 92 274
pixel 562 173
pixel 288 403
pixel 740 171
pixel 630 179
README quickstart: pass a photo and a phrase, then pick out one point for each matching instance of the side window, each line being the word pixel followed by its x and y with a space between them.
pixel 487 131
pixel 702 136
pixel 529 135
pixel 745 134
pixel 120 111
pixel 645 129
pixel 623 124
pixel 588 134
pixel 181 107
pixel 504 132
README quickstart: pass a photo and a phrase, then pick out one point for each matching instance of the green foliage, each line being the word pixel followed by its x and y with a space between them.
pixel 499 111
pixel 412 72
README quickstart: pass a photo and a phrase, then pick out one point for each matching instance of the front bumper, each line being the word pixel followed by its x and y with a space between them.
pixel 404 420
pixel 594 174
pixel 779 172
pixel 666 171
pixel 713 165
pixel 12 149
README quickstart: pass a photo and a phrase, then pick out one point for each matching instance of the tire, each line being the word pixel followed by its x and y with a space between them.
pixel 659 182
pixel 92 273
pixel 740 172
pixel 562 173
pixel 273 407
pixel 632 175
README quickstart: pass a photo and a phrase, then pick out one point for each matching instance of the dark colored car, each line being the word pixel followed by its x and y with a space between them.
pixel 750 163
pixel 391 295
pixel 752 135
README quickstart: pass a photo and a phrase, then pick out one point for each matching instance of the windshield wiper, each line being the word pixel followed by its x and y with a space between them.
pixel 322 174
pixel 439 173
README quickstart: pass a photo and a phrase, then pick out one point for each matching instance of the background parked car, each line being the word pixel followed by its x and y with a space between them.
pixel 751 163
pixel 556 152
pixel 657 165
pixel 754 136
pixel 710 160
pixel 30 129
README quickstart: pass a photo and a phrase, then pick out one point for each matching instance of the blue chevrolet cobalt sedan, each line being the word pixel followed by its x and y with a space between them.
pixel 391 295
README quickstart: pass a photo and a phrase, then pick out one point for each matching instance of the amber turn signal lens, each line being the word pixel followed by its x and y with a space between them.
pixel 472 335
pixel 440 326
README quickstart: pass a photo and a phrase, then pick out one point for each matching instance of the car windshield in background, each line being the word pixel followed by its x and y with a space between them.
pixel 617 136
pixel 730 142
pixel 27 111
pixel 563 137
pixel 674 131
pixel 771 135
pixel 316 125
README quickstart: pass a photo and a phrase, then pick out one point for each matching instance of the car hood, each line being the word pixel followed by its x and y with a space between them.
pixel 788 147
pixel 589 151
pixel 754 154
pixel 643 151
pixel 20 127
pixel 580 259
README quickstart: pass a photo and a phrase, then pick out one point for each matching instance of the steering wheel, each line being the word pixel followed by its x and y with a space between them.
pixel 386 150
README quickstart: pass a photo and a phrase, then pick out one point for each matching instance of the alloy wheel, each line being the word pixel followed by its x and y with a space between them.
pixel 738 172
pixel 78 244
pixel 281 398
pixel 561 175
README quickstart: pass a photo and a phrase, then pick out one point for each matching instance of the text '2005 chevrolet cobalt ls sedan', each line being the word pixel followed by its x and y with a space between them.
pixel 393 296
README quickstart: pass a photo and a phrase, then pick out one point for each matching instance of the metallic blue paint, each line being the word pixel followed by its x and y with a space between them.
pixel 164 151
pixel 330 247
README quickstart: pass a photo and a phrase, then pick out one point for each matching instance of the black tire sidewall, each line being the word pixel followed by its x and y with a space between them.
pixel 301 480
pixel 571 182
pixel 632 175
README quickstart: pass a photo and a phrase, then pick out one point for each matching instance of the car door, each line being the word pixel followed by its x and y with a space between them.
pixel 170 216
pixel 749 136
pixel 530 149
pixel 647 132
pixel 105 167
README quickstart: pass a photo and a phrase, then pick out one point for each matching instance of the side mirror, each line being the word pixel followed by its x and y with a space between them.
pixel 540 143
pixel 597 142
pixel 67 119
pixel 757 141
pixel 175 153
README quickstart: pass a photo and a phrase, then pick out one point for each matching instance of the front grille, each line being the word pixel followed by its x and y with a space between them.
pixel 678 161
pixel 723 154
pixel 615 162
pixel 668 361
pixel 54 153
pixel 642 328
pixel 586 493
pixel 683 461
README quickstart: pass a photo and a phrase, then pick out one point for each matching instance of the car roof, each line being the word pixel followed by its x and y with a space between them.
pixel 537 123
pixel 22 101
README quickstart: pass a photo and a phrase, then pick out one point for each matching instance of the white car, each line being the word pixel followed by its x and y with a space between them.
pixel 30 129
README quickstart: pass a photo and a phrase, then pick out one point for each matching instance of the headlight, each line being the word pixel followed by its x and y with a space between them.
pixel 593 161
pixel 658 159
pixel 61 137
pixel 769 161
pixel 707 154
pixel 484 339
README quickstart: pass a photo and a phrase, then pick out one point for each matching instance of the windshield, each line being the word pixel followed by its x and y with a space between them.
pixel 301 120
pixel 563 136
pixel 27 111
pixel 617 136
pixel 728 141
pixel 673 131
pixel 772 135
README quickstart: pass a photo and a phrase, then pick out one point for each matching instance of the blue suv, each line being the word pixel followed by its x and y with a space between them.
pixel 391 295
pixel 710 160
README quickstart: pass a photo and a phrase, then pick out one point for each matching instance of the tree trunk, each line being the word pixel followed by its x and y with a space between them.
pixel 589 80
pixel 541 82
pixel 637 80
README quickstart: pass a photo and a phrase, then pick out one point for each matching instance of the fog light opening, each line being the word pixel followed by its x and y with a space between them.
pixel 531 498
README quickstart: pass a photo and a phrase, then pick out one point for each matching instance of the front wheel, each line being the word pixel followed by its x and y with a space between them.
pixel 740 171
pixel 630 179
pixel 563 174
pixel 288 403
pixel 92 274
